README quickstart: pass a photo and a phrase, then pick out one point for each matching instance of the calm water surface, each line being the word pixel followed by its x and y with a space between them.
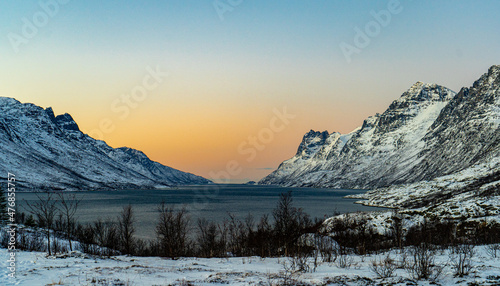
pixel 212 202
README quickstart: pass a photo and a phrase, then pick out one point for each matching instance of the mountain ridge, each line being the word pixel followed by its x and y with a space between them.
pixel 411 141
pixel 45 152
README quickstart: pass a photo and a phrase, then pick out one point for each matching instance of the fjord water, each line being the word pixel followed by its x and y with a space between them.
pixel 212 202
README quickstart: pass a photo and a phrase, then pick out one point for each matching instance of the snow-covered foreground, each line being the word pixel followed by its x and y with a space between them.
pixel 35 268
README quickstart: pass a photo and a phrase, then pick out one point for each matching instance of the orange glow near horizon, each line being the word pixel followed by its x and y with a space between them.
pixel 201 138
pixel 203 86
pixel 197 126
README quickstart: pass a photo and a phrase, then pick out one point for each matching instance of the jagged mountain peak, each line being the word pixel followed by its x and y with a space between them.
pixel 67 122
pixel 50 113
pixel 312 139
pixel 420 91
pixel 475 103
pixel 494 69
pixel 420 96
pixel 491 78
pixel 428 132
pixel 13 107
pixel 315 134
pixel 417 86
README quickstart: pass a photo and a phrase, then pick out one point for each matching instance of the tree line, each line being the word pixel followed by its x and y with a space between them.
pixel 54 214
pixel 287 232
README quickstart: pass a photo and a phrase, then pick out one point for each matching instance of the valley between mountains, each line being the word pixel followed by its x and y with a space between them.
pixel 432 150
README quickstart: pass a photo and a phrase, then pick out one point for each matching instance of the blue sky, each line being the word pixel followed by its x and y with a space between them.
pixel 228 74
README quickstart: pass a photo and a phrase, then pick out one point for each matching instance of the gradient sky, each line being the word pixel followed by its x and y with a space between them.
pixel 226 75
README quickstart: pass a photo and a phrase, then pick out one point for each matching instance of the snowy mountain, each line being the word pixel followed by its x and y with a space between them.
pixel 429 132
pixel 45 151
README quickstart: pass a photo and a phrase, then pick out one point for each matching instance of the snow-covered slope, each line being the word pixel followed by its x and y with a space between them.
pixel 76 268
pixel 428 132
pixel 471 193
pixel 371 154
pixel 50 152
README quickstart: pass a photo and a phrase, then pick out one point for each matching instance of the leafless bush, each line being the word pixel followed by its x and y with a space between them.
pixel 397 229
pixel 126 229
pixel 300 263
pixel 356 232
pixel 461 259
pixel 143 248
pixel 68 205
pixel 86 237
pixel 45 210
pixel 344 259
pixel 58 247
pixel 385 268
pixel 172 232
pixel 30 221
pixel 30 241
pixel 237 236
pixel 289 275
pixel 263 237
pixel 493 250
pixel 421 263
pixel 402 264
pixel 106 235
pixel 289 224
pixel 327 247
pixel 210 239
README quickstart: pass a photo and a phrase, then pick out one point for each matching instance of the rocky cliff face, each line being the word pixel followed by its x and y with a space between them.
pixel 45 151
pixel 430 131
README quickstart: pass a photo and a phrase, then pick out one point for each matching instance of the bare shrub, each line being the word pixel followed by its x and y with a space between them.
pixel 289 224
pixel 30 221
pixel 262 239
pixel 143 248
pixel 431 230
pixel 210 239
pixel 344 259
pixel 106 235
pixel 397 229
pixel 236 236
pixel 461 259
pixel 493 250
pixel 4 217
pixel 68 205
pixel 86 237
pixel 356 232
pixel 384 268
pixel 327 248
pixel 45 210
pixel 172 232
pixel 58 247
pixel 126 229
pixel 421 262
pixel 4 240
pixel 300 263
pixel 30 241
pixel 288 275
